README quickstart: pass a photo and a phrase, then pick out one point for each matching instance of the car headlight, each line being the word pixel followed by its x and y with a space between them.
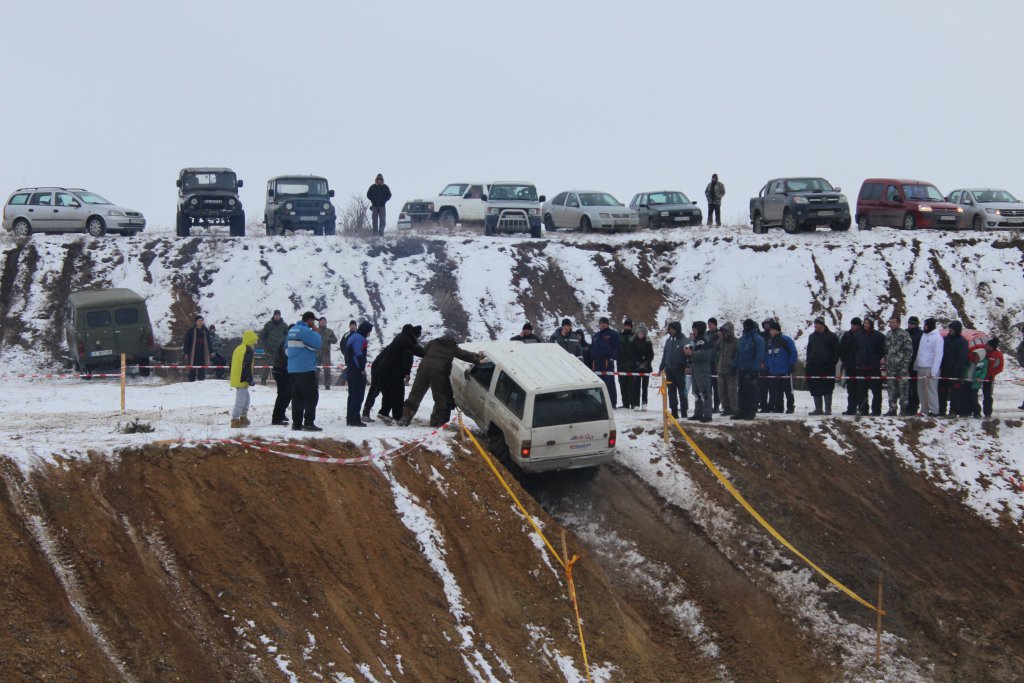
pixel 231 202
pixel 288 206
pixel 430 207
pixel 663 213
pixel 799 200
pixel 493 211
pixel 994 212
pixel 327 205
pixel 959 209
pixel 533 212
pixel 842 199
pixel 924 209
pixel 605 215
pixel 115 212
pixel 194 201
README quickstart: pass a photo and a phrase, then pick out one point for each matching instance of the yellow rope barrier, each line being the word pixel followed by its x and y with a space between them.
pixel 762 521
pixel 565 563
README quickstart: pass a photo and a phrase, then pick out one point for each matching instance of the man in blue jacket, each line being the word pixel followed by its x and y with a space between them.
pixel 749 363
pixel 870 347
pixel 355 373
pixel 604 350
pixel 780 361
pixel 303 344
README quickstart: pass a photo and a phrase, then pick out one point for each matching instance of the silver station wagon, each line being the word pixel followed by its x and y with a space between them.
pixel 63 209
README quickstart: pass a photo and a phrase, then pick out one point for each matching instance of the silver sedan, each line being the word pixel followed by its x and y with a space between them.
pixel 588 210
pixel 988 208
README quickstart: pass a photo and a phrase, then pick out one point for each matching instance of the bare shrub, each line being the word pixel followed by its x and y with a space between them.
pixel 354 218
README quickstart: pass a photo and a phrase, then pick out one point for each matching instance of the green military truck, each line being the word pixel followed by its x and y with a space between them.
pixel 101 324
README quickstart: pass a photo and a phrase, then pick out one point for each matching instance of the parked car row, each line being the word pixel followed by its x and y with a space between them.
pixel 67 209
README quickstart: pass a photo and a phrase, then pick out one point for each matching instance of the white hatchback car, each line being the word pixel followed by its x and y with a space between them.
pixel 62 209
pixel 539 407
pixel 588 211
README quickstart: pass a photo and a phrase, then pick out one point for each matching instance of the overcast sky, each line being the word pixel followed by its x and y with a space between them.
pixel 620 96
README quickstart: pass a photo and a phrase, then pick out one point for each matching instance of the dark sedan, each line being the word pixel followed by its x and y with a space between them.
pixel 665 209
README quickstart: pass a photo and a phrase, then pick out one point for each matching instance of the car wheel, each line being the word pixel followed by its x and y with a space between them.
pixel 237 226
pixel 758 224
pixel 330 228
pixel 182 225
pixel 976 224
pixel 863 223
pixel 95 227
pixel 448 218
pixel 318 231
pixel 488 230
pixel 129 233
pixel 909 223
pixel 549 223
pixel 841 227
pixel 789 223
pixel 21 228
pixel 535 231
pixel 585 225
pixel 654 223
pixel 498 448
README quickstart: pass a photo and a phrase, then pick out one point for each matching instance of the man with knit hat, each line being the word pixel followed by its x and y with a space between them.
pixel 848 358
pixel 605 346
pixel 378 194
pixel 701 356
pixel 673 370
pixel 526 335
pixel 565 338
pixel 628 385
pixel 822 357
pixel 780 360
pixel 915 332
pixel 928 364
pixel 749 362
pixel 643 352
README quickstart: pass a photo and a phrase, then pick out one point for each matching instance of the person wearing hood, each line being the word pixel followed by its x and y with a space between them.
pixel 391 370
pixel 628 385
pixel 581 337
pixel 701 356
pixel 241 378
pixel 284 387
pixel 780 360
pixel 928 364
pixel 355 372
pixel 673 370
pixel 604 350
pixel 952 368
pixel 526 335
pixel 749 364
pixel 435 373
pixel 726 369
pixel 643 351
pixel 303 345
pixel 196 348
pixel 822 356
pixel 848 357
pixel 379 194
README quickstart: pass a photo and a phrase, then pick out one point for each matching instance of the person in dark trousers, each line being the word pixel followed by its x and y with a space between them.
pixel 714 339
pixel 527 335
pixel 434 373
pixel 643 351
pixel 341 346
pixel 390 371
pixel 378 194
pixel 951 371
pixel 355 372
pixel 284 386
pixel 628 385
pixel 196 350
pixel 996 363
pixel 303 345
pixel 822 356
pixel 604 349
pixel 581 337
pixel 870 352
pixel 714 193
pixel 217 358
pixel 780 361
pixel 762 384
pixel 1020 361
pixel 727 369
pixel 915 332
pixel 673 370
pixel 701 357
pixel 848 356
pixel 750 355
pixel 329 340
pixel 271 336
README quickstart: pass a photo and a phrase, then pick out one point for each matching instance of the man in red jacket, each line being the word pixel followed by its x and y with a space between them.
pixel 995 366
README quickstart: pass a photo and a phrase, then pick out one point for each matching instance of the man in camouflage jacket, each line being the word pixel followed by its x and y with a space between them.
pixel 899 350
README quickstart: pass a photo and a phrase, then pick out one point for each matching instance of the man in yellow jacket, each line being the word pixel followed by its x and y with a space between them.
pixel 241 377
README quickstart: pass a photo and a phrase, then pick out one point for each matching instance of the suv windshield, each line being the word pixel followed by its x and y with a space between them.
pixel 296 187
pixel 928 193
pixel 209 181
pixel 91 198
pixel 569 407
pixel 668 198
pixel 598 199
pixel 808 185
pixel 454 190
pixel 991 196
pixel 527 193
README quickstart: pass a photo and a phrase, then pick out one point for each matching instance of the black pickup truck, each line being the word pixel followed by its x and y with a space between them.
pixel 798 204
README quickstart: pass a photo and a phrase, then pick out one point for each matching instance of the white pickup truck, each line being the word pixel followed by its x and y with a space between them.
pixel 457 203
pixel 538 406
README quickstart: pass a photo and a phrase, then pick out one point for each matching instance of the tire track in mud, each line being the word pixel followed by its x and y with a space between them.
pixel 946 285
pixel 550 297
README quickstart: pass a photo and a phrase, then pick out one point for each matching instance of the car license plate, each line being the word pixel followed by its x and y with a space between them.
pixel 947 218
pixel 94 354
pixel 825 213
pixel 680 219
pixel 1015 220
pixel 307 218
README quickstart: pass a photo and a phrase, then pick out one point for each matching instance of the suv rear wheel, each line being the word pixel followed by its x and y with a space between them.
pixel 183 225
pixel 95 226
pixel 758 224
pixel 448 218
pixel 789 223
pixel 841 227
pixel 909 223
pixel 863 223
pixel 21 228
pixel 497 446
pixel 549 223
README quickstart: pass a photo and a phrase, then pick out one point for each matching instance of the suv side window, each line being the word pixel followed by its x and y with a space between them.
pixel 510 394
pixel 19 199
pixel 41 199
pixel 892 194
pixel 97 318
pixel 482 374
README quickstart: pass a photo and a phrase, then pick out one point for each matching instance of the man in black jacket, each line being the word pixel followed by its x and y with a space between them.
pixel 822 356
pixel 378 194
pixel 848 356
pixel 628 385
pixel 870 352
pixel 951 371
pixel 915 332
pixel 284 387
pixel 390 370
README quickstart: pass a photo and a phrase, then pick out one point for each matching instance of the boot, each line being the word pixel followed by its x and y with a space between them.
pixel 244 420
pixel 891 412
pixel 236 423
pixel 817 407
pixel 366 416
pixel 828 404
pixel 406 417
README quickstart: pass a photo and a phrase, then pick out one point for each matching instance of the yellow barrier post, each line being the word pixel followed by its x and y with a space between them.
pixel 124 375
pixel 664 406
pixel 878 628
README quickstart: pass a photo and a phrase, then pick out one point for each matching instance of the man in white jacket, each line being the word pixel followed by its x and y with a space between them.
pixel 929 357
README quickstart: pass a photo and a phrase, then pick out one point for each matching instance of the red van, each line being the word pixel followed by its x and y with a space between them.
pixel 907 204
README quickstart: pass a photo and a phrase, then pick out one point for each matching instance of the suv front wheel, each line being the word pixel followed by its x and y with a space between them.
pixel 448 218
pixel 909 223
pixel 183 226
pixel 789 223
pixel 237 225
pixel 758 223
pixel 95 226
